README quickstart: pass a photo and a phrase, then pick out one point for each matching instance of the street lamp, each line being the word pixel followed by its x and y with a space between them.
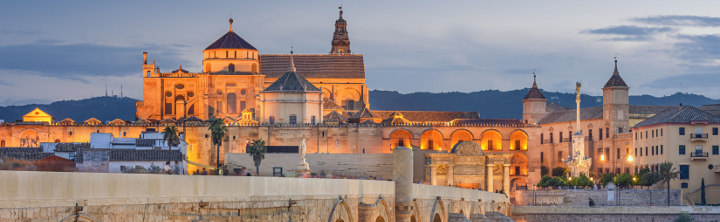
pixel 630 158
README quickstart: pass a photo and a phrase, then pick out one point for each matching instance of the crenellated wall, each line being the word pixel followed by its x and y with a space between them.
pixel 52 196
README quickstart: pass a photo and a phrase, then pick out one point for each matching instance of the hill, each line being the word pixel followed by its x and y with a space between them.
pixel 489 103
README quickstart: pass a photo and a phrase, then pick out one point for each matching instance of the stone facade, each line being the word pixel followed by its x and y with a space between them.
pixel 49 196
pixel 580 197
pixel 644 214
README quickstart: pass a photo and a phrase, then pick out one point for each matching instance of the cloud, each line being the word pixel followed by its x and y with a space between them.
pixel 680 20
pixel 630 32
pixel 77 61
pixel 699 48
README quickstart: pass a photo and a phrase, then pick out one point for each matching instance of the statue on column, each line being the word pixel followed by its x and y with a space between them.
pixel 577 162
pixel 302 169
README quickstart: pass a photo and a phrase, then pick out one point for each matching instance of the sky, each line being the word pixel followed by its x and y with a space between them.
pixel 58 50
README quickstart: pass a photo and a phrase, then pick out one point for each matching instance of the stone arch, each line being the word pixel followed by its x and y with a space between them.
pixel 460 135
pixel 517 182
pixel 379 219
pixel 29 138
pixel 431 139
pixel 438 211
pixel 416 212
pixel 347 98
pixel 518 162
pixel 518 138
pixel 383 210
pixel 340 212
pixel 437 218
pixel 401 137
pixel 491 140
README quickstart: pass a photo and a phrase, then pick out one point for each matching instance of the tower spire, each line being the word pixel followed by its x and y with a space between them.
pixel 292 61
pixel 616 70
pixel 341 40
pixel 534 79
pixel 231 21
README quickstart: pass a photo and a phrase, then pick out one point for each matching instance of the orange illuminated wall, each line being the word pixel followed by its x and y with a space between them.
pixel 37 115
pixel 518 138
pixel 401 138
pixel 431 139
pixel 491 139
pixel 458 136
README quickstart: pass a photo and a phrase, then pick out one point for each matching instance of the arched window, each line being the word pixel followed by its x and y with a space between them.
pixel 271 120
pixel 231 67
pixel 231 103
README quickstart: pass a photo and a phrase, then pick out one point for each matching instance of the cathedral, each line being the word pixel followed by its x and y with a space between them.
pixel 236 77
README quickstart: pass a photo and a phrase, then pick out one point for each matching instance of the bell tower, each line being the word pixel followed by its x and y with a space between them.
pixel 341 41
pixel 534 107
pixel 616 107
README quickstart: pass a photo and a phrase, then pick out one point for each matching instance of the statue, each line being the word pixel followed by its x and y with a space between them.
pixel 577 161
pixel 303 149
pixel 302 169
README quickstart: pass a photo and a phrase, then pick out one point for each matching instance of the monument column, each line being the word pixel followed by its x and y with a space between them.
pixel 450 175
pixel 403 176
pixel 506 178
pixel 489 178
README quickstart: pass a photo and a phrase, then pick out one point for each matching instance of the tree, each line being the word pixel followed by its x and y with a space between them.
pixel 702 192
pixel 606 178
pixel 257 150
pixel 218 130
pixel 170 136
pixel 581 181
pixel 649 179
pixel 667 173
pixel 623 180
pixel 544 170
pixel 559 171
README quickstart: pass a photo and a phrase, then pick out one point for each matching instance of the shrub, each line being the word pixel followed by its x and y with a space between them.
pixel 544 181
pixel 559 172
pixel 606 178
pixel 581 181
pixel 623 180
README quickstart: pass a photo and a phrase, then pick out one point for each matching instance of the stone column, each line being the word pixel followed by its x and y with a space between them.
pixel 489 178
pixel 450 175
pixel 506 178
pixel 402 176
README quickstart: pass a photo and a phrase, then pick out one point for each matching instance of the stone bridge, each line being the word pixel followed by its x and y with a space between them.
pixel 59 196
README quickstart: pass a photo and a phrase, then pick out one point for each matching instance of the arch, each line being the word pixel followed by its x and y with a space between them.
pixel 518 165
pixel 491 140
pixel 518 138
pixel 231 103
pixel 459 136
pixel 78 217
pixel 438 211
pixel 401 137
pixel 29 138
pixel 340 212
pixel 379 219
pixel 416 212
pixel 431 139
pixel 231 67
pixel 517 182
pixel 347 98
pixel 437 218
pixel 254 68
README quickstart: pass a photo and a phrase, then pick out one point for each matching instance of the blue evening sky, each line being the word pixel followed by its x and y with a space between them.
pixel 53 50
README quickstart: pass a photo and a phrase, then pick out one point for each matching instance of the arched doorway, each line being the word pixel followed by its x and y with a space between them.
pixel 459 136
pixel 401 137
pixel 431 140
pixel 518 140
pixel 491 140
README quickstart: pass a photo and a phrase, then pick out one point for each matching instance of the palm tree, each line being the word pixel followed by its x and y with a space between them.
pixel 170 136
pixel 218 130
pixel 257 150
pixel 668 173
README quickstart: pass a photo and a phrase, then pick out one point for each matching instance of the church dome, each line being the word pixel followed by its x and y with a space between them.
pixel 230 41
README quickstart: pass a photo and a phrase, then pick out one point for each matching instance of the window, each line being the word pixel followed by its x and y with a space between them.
pixel 600 151
pixel 661 149
pixel 293 119
pixel 570 136
pixel 430 144
pixel 636 151
pixel 646 151
pixel 684 185
pixel 607 153
pixel 231 68
pixel 590 134
pixel 640 151
pixel 271 120
pixel 661 130
pixel 401 142
pixel 646 135
pixel 560 156
pixel 682 130
pixel 148 74
pixel 681 150
pixel 517 170
pixel 2 144
pixel 517 145
pixel 636 136
pixel 312 120
pixel 168 108
pixel 715 150
pixel 607 133
pixel 652 134
pixel 561 138
pixel 620 130
pixel 684 172
pixel 542 138
pixel 618 153
pixel 490 145
pixel 551 138
pixel 600 134
pixel 715 131
pixel 698 149
pixel 542 155
pixel 652 151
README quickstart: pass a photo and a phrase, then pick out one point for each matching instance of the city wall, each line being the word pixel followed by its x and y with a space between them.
pixel 580 197
pixel 55 196
pixel 642 214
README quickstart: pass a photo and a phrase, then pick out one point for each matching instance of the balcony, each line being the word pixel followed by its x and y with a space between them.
pixel 702 137
pixel 698 155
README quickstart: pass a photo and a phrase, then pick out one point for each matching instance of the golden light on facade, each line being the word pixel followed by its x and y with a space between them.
pixel 630 158
pixel 602 157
